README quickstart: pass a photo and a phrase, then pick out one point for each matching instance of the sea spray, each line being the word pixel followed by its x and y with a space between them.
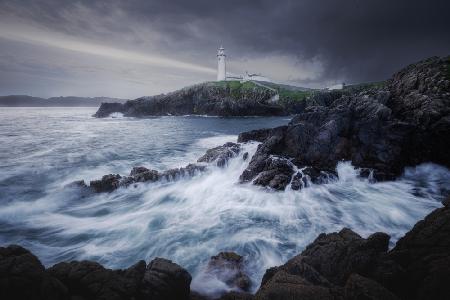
pixel 194 218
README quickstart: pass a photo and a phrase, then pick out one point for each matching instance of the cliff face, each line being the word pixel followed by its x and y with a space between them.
pixel 229 98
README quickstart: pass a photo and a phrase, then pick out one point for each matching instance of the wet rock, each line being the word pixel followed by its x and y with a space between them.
pixel 176 173
pixel 276 174
pixel 298 182
pixel 108 183
pixel 229 267
pixel 245 156
pixel 221 154
pixel 142 174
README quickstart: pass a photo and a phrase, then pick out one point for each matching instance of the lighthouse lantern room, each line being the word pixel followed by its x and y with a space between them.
pixel 221 68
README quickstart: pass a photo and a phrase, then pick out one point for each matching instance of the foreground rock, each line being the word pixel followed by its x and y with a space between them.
pixel 22 276
pixel 345 266
pixel 339 265
pixel 402 123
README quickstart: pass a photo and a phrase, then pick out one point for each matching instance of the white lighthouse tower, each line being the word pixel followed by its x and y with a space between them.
pixel 221 68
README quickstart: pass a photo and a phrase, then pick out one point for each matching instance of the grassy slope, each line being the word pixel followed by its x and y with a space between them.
pixel 236 88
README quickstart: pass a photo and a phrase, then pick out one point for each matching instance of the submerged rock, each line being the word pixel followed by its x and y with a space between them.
pixel 228 267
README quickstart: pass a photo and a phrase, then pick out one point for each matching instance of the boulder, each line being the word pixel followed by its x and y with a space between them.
pixel 229 268
pixel 276 173
pixel 221 154
pixel 108 183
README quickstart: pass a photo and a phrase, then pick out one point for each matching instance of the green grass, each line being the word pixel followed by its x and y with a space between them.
pixel 288 95
pixel 236 88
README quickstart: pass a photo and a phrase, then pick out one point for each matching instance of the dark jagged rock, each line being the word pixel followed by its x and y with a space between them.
pixel 189 170
pixel 22 276
pixel 108 183
pixel 90 280
pixel 228 267
pixel 404 122
pixel 258 135
pixel 142 174
pixel 210 98
pixel 221 154
pixel 258 162
pixel 276 174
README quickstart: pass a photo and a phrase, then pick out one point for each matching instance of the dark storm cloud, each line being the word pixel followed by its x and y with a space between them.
pixel 308 42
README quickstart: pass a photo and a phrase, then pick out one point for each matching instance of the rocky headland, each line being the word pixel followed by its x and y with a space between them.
pixel 226 98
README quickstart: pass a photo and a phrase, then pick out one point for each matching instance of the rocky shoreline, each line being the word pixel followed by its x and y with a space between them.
pixel 339 265
pixel 381 129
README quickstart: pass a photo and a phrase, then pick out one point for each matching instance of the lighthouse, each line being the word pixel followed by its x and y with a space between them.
pixel 221 68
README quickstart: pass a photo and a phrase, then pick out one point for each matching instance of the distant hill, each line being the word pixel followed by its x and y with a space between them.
pixel 29 101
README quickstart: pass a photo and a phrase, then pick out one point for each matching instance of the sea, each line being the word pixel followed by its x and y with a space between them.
pixel 42 150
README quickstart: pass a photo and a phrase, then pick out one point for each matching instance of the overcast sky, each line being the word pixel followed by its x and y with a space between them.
pixel 133 48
